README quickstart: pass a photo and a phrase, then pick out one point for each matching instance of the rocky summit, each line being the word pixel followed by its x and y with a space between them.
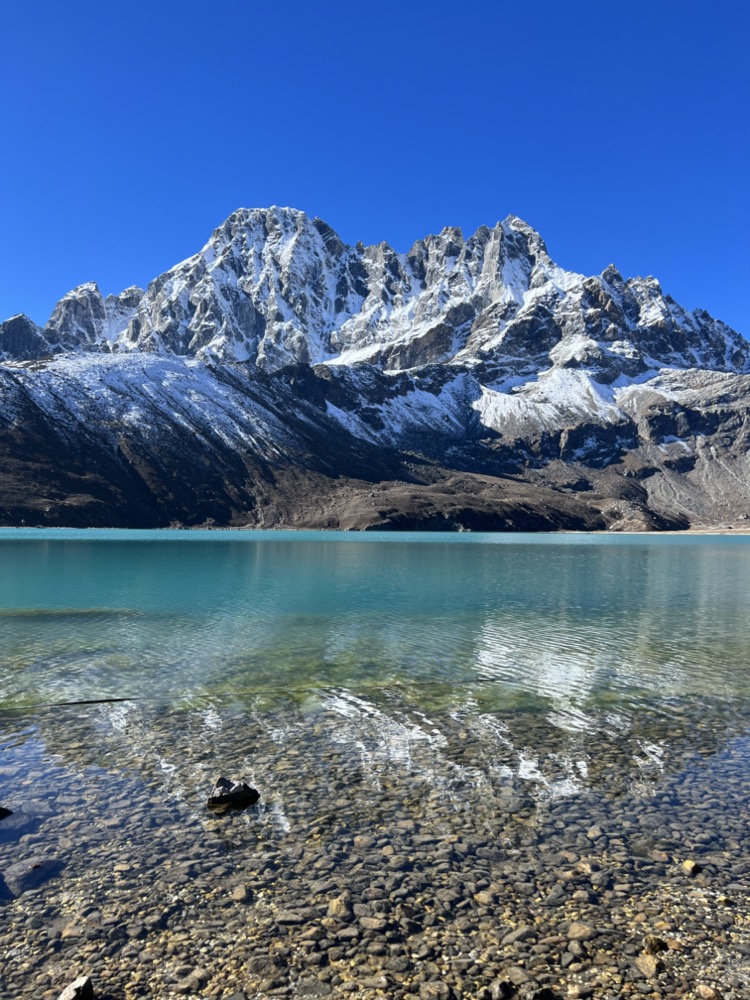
pixel 281 378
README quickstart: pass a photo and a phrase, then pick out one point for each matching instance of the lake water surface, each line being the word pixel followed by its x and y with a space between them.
pixel 541 728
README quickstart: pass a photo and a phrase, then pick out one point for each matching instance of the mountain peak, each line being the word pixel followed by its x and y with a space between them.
pixel 512 224
pixel 275 287
pixel 611 275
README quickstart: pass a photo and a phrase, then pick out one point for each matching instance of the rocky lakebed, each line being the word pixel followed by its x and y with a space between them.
pixel 455 854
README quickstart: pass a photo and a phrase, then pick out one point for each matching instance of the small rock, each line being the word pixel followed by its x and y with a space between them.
pixel 649 966
pixel 517 975
pixel 73 929
pixel 240 894
pixel 501 989
pixel 519 934
pixel 340 908
pixel 81 989
pixel 485 898
pixel 657 855
pixel 226 795
pixel 691 868
pixel 398 862
pixel 348 934
pixel 312 988
pixel 578 931
pixel 706 992
pixel 376 983
pixel 652 944
pixel 373 923
pixel 437 990
pixel 292 917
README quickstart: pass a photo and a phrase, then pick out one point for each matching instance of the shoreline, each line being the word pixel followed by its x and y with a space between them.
pixel 433 532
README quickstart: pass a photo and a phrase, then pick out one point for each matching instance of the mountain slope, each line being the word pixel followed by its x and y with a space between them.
pixel 280 376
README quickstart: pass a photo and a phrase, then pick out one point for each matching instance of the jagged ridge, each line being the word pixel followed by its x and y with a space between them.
pixel 479 355
pixel 276 288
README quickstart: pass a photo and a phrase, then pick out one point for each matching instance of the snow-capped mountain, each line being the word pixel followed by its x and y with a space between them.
pixel 276 288
pixel 279 348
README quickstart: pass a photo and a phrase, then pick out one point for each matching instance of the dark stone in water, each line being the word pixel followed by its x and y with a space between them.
pixel 5 812
pixel 227 795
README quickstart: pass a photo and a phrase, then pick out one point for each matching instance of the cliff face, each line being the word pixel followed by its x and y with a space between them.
pixel 280 377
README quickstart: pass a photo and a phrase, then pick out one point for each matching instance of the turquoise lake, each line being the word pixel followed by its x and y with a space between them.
pixel 571 622
pixel 454 730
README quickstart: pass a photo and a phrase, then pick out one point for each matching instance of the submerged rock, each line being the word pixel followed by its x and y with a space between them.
pixel 579 931
pixel 226 795
pixel 649 965
pixel 706 992
pixel 81 989
pixel 25 875
pixel 14 824
pixel 691 868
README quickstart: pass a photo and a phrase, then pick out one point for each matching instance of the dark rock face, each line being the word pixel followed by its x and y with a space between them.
pixel 22 340
pixel 279 375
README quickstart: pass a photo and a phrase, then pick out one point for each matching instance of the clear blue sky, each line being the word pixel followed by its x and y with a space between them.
pixel 131 129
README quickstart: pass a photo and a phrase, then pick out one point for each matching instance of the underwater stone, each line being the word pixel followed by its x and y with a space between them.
pixel 26 875
pixel 81 989
pixel 14 824
pixel 691 868
pixel 227 795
